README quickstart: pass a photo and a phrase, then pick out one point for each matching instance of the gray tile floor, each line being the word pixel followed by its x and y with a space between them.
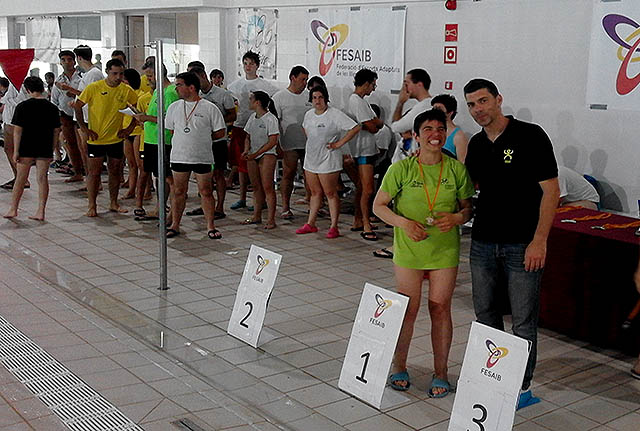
pixel 85 291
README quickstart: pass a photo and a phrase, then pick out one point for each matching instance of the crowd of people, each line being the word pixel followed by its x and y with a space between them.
pixel 426 167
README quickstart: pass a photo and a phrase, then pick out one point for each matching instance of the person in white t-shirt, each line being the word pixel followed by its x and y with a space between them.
pixel 10 100
pixel 91 73
pixel 291 104
pixel 195 123
pixel 364 150
pixel 575 190
pixel 241 89
pixel 262 130
pixel 416 86
pixel 323 127
pixel 224 101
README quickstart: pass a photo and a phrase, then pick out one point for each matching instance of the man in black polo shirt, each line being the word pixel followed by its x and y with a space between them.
pixel 513 165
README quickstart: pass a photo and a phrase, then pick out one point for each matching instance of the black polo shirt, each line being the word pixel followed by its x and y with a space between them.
pixel 508 172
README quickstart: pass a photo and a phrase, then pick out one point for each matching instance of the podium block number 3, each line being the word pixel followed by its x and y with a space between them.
pixel 242 322
pixel 481 419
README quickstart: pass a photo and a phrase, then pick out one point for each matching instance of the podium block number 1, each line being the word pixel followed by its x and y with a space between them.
pixel 366 356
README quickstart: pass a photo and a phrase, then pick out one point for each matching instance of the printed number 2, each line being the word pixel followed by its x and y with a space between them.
pixel 361 378
pixel 248 314
pixel 483 418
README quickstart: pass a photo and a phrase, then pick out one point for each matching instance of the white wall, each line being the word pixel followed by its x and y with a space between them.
pixel 536 51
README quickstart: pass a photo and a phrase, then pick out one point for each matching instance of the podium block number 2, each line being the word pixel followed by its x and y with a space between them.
pixel 481 419
pixel 244 319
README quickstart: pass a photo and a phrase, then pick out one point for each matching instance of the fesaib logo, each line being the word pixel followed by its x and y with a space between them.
pixel 329 42
pixel 262 264
pixel 631 43
pixel 383 304
pixel 495 354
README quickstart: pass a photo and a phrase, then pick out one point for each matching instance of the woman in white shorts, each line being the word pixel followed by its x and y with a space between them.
pixel 323 126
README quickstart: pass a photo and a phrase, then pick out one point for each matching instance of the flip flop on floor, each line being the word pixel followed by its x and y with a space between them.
pixel 172 233
pixel 400 377
pixel 139 212
pixel 251 221
pixel 383 253
pixel 214 234
pixel 438 383
pixel 527 399
pixel 635 374
pixel 369 236
pixel 361 228
pixel 145 217
pixel 195 212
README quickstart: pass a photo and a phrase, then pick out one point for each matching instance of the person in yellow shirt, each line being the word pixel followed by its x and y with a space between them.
pixel 105 99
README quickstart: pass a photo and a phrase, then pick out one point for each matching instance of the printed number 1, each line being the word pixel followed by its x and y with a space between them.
pixel 483 417
pixel 248 314
pixel 361 378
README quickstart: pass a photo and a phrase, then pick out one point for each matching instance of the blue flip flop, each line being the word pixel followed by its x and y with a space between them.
pixel 527 399
pixel 401 376
pixel 438 383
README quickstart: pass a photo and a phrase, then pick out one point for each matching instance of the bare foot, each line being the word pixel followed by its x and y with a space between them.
pixel 92 213
pixel 118 209
pixel 269 226
pixel 129 196
pixel 11 214
pixel 39 217
pixel 74 179
pixel 147 197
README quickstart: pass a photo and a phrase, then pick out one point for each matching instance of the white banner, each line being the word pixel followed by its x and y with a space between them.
pixel 43 34
pixel 372 343
pixel 490 380
pixel 258 32
pixel 614 59
pixel 341 41
pixel 253 295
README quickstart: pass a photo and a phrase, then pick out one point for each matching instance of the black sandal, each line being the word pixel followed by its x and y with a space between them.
pixel 172 233
pixel 369 236
pixel 383 253
pixel 214 234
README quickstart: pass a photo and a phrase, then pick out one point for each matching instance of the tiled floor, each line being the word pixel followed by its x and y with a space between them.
pixel 85 290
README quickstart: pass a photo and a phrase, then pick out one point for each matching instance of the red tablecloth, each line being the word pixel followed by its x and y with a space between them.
pixel 585 227
pixel 587 286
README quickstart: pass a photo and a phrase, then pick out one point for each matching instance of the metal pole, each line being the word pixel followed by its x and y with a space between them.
pixel 162 234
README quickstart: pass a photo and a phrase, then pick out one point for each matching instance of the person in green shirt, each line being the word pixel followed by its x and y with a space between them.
pixel 432 197
pixel 150 152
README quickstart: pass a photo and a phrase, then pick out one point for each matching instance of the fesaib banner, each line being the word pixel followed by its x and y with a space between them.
pixel 341 41
pixel 614 59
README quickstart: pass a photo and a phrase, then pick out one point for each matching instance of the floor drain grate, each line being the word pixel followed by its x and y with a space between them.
pixel 77 405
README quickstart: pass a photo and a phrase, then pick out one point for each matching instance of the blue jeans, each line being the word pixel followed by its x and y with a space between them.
pixel 499 268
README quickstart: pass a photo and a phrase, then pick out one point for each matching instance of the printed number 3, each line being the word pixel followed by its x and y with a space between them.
pixel 483 418
pixel 361 378
pixel 248 314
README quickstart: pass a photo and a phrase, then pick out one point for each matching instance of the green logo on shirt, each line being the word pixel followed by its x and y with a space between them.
pixel 508 155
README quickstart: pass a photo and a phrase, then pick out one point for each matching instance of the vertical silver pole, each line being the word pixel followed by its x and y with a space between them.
pixel 162 235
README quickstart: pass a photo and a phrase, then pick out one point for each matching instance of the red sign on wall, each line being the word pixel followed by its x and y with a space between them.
pixel 448 85
pixel 450 54
pixel 451 32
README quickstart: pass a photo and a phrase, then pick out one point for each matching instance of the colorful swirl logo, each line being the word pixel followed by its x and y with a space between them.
pixel 329 41
pixel 495 353
pixel 262 263
pixel 383 304
pixel 624 83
